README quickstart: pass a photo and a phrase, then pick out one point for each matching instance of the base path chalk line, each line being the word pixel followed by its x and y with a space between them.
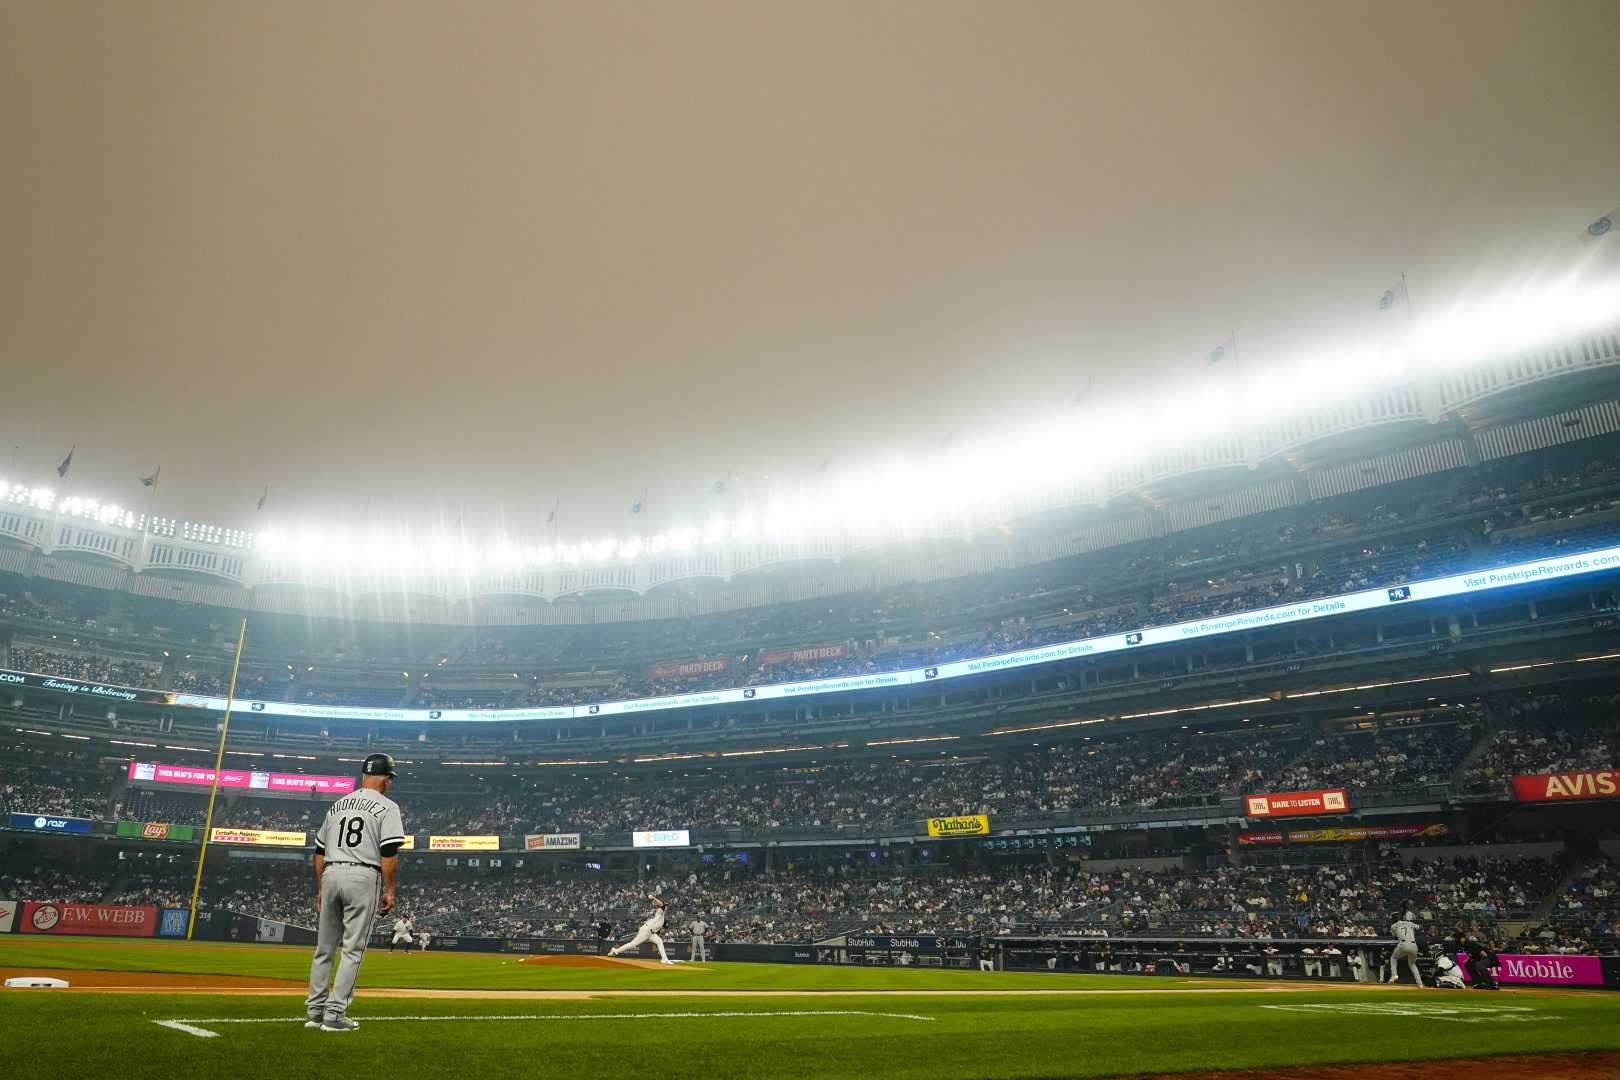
pixel 194 1026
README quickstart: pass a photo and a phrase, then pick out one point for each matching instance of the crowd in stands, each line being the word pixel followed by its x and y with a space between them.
pixel 1286 555
pixel 1586 917
pixel 1347 900
pixel 85 666
pixel 1144 770
pixel 51 784
pixel 1550 732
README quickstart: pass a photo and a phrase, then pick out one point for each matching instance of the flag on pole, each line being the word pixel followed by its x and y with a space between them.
pixel 551 518
pixel 1600 228
pixel 266 495
pixel 151 481
pixel 67 463
pixel 1226 350
pixel 1081 396
pixel 1395 294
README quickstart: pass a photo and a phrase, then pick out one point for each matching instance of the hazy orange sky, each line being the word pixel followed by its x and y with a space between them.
pixel 503 254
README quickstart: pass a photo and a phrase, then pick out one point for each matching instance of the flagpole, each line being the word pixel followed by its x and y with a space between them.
pixel 213 789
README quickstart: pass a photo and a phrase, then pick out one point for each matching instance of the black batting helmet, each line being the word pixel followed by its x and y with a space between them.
pixel 377 765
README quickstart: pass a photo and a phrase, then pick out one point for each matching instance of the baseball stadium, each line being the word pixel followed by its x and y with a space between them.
pixel 712 541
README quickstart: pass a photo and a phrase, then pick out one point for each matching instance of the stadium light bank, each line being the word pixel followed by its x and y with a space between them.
pixel 898 500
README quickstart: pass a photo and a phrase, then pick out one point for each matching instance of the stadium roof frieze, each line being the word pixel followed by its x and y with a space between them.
pixel 221 567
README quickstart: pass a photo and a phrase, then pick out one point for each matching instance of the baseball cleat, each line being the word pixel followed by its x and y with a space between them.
pixel 340 1023
pixel 312 1022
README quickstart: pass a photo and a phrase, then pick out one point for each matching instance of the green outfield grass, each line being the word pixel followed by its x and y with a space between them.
pixel 49 1035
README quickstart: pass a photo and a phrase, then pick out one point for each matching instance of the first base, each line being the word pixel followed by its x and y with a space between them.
pixel 35 982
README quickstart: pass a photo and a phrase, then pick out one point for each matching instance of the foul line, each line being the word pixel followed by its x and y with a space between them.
pixel 193 1026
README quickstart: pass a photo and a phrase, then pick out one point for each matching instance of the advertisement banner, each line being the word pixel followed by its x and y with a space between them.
pixel 101 920
pixel 1352 833
pixel 552 842
pixel 1543 970
pixel 680 669
pixel 173 922
pixel 804 655
pixel 8 915
pixel 259 837
pixel 1298 803
pixel 153 830
pixel 970 825
pixel 50 823
pixel 145 772
pixel 464 843
pixel 102 691
pixel 662 838
pixel 1554 787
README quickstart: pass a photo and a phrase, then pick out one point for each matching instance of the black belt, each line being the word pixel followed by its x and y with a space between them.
pixel 368 866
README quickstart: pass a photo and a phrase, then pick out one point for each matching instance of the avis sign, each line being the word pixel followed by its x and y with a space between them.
pixel 1554 787
pixel 1297 803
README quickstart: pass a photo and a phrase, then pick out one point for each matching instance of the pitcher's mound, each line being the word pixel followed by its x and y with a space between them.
pixel 578 961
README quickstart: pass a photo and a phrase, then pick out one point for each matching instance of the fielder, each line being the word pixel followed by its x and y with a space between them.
pixel 356 862
pixel 700 951
pixel 402 933
pixel 648 932
pixel 1405 931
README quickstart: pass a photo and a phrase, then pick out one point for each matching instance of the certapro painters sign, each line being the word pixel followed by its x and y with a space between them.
pixel 966 825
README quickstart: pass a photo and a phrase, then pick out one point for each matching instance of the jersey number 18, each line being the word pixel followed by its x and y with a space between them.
pixel 351 830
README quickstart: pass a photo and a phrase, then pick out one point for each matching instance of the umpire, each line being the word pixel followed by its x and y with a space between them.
pixel 1480 961
pixel 356 861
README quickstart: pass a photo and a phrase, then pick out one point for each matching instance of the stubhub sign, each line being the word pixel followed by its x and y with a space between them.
pixel 47 823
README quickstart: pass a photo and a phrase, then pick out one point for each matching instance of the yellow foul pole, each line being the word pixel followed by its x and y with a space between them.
pixel 213 789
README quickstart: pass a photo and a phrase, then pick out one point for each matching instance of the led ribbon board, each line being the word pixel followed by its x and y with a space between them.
pixel 1472 583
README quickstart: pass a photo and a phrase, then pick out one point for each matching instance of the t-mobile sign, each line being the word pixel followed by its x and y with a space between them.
pixel 1549 970
pixel 143 772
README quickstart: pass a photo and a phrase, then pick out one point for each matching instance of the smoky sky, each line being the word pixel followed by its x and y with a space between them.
pixel 505 256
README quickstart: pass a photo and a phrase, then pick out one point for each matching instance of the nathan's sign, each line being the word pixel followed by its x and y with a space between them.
pixel 680 669
pixel 154 830
pixel 464 843
pixel 804 655
pixel 1297 803
pixel 1551 787
pixel 967 825
pixel 259 837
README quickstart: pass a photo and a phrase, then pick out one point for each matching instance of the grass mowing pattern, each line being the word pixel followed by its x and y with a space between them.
pixel 47 1035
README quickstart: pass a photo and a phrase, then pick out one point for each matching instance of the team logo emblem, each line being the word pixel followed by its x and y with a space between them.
pixel 46 916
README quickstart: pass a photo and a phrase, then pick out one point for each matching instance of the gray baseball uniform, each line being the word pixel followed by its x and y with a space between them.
pixel 700 951
pixel 1406 948
pixel 359 830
